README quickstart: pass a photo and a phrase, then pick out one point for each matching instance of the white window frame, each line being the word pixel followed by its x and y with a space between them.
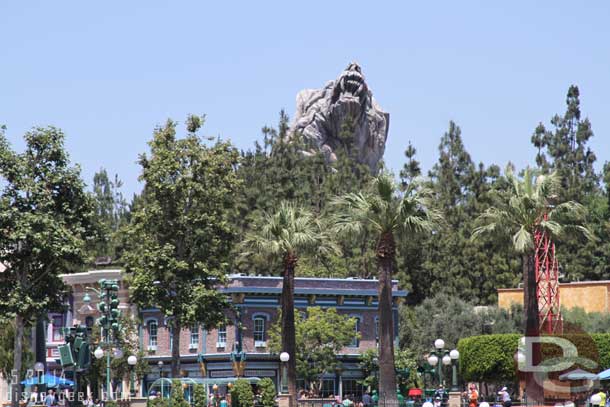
pixel 194 337
pixel 261 341
pixel 221 333
pixel 355 343
pixel 152 344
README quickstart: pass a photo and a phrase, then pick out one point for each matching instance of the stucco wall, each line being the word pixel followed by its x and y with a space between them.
pixel 591 296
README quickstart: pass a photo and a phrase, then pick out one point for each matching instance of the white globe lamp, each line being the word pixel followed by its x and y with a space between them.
pixel 284 357
pixel 439 344
pixel 99 353
pixel 454 354
pixel 132 360
pixel 433 360
pixel 446 360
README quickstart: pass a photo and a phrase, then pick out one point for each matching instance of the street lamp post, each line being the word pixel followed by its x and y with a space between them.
pixel 455 356
pixel 284 358
pixel 131 361
pixel 109 321
pixel 160 364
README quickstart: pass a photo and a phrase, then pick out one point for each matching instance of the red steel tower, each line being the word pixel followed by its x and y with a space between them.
pixel 547 282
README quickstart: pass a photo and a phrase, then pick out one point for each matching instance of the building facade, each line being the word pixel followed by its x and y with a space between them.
pixel 592 296
pixel 207 354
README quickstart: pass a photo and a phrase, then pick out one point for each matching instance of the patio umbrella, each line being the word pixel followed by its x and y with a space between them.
pixel 578 374
pixel 49 380
pixel 605 375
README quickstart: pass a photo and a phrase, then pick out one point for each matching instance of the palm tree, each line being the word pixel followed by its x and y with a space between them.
pixel 529 206
pixel 285 235
pixel 390 214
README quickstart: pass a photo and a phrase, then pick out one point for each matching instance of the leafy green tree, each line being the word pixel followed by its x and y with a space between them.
pixel 125 339
pixel 566 152
pixel 406 362
pixel 45 220
pixel 241 394
pixel 112 212
pixel 268 393
pixel 181 233
pixel 391 214
pixel 177 395
pixel 411 169
pixel 282 237
pixel 531 206
pixel 7 348
pixel 451 318
pixel 319 338
pixel 200 397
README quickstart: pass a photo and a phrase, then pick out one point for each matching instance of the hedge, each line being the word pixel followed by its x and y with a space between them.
pixel 491 358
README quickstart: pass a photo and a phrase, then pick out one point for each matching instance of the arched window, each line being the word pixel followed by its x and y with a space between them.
pixel 152 334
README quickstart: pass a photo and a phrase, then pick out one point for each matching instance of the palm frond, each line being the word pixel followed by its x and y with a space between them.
pixel 523 240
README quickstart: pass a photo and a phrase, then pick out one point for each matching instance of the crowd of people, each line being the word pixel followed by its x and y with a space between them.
pixel 348 400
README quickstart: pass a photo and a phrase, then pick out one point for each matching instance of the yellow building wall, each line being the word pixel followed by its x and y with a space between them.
pixel 592 297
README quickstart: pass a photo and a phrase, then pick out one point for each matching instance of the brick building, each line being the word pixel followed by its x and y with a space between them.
pixel 206 354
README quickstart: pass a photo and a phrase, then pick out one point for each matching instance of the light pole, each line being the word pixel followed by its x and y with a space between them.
pixel 284 358
pixel 454 355
pixel 160 364
pixel 131 361
pixel 109 321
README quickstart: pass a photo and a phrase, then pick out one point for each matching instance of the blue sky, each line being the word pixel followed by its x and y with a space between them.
pixel 108 72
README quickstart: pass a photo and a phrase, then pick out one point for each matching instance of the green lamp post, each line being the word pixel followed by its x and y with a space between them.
pixel 109 322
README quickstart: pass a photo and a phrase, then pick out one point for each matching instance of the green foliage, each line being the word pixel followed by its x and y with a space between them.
pixel 7 356
pixel 319 338
pixel 46 218
pixel 590 322
pixel 128 341
pixel 405 360
pixel 488 358
pixel 241 394
pixel 110 403
pixel 177 395
pixel 200 397
pixel 451 318
pixel 111 213
pixel 268 393
pixel 181 233
pixel 158 402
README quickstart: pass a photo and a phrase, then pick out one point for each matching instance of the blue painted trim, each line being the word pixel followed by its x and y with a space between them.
pixel 240 277
pixel 262 314
pixel 305 291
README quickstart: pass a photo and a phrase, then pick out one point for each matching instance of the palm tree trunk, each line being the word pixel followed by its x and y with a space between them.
pixel 386 251
pixel 175 348
pixel 535 392
pixel 17 359
pixel 288 327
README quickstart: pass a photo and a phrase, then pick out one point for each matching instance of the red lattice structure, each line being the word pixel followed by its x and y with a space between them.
pixel 547 283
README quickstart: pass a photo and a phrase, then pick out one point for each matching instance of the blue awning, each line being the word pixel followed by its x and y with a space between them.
pixel 49 380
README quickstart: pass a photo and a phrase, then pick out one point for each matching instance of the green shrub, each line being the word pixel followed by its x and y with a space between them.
pixel 241 394
pixel 268 393
pixel 177 395
pixel 110 403
pixel 200 398
pixel 491 358
pixel 158 402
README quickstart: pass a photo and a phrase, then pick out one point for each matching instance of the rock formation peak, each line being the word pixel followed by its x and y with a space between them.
pixel 321 115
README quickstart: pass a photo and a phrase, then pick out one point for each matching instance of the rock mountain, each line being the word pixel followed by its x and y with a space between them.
pixel 321 114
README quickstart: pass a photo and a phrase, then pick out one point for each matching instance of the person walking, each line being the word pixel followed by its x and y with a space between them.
pixel 473 396
pixel 366 399
pixel 49 400
pixel 505 397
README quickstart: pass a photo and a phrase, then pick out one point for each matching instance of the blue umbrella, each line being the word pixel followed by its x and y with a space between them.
pixel 49 380
pixel 605 375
